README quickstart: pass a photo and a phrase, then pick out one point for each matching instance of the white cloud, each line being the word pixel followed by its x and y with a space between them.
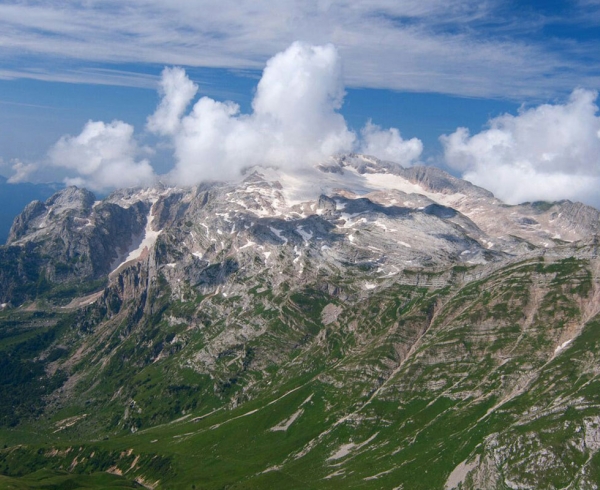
pixel 87 75
pixel 300 91
pixel 464 47
pixel 102 156
pixel 177 92
pixel 294 121
pixel 389 145
pixel 548 152
pixel 22 172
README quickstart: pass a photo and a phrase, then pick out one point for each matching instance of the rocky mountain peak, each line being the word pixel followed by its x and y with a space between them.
pixel 70 202
pixel 373 326
pixel 20 226
pixel 71 198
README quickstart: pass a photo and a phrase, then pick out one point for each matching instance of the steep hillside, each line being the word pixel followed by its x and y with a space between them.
pixel 384 328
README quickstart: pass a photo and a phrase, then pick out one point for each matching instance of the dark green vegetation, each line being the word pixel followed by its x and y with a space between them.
pixel 24 382
pixel 323 385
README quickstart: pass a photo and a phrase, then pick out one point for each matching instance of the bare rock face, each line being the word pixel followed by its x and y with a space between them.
pixel 71 238
pixel 330 313
pixel 326 205
pixel 22 222
pixel 390 319
pixel 70 204
pixel 374 214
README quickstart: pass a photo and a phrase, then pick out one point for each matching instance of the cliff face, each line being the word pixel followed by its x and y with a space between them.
pixel 16 196
pixel 377 328
pixel 68 240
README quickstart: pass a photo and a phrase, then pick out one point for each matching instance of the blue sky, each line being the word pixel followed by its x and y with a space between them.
pixel 426 67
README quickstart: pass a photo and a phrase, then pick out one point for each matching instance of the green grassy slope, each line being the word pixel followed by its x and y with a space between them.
pixel 399 389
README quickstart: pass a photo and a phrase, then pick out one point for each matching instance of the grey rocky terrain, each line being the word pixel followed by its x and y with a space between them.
pixel 425 325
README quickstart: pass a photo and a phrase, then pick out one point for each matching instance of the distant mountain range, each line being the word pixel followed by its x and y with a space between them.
pixel 353 325
pixel 14 197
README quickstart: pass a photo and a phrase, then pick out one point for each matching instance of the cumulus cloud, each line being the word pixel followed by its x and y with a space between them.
pixel 102 156
pixel 294 120
pixel 22 172
pixel 544 153
pixel 389 145
pixel 298 95
pixel 294 123
pixel 177 92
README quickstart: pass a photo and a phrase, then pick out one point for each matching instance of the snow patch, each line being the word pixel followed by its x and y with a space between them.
pixel 306 235
pixel 339 205
pixel 562 346
pixel 380 225
pixel 347 217
pixel 148 239
pixel 279 235
pixel 298 254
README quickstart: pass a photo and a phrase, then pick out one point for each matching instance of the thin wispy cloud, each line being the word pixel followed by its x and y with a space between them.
pixel 89 75
pixel 466 47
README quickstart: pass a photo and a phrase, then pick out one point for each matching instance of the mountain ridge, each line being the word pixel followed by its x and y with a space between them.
pixel 378 327
pixel 15 196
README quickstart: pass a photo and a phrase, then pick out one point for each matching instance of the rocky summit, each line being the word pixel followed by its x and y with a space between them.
pixel 354 325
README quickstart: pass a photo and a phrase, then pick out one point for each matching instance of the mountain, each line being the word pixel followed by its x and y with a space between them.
pixel 356 325
pixel 14 197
